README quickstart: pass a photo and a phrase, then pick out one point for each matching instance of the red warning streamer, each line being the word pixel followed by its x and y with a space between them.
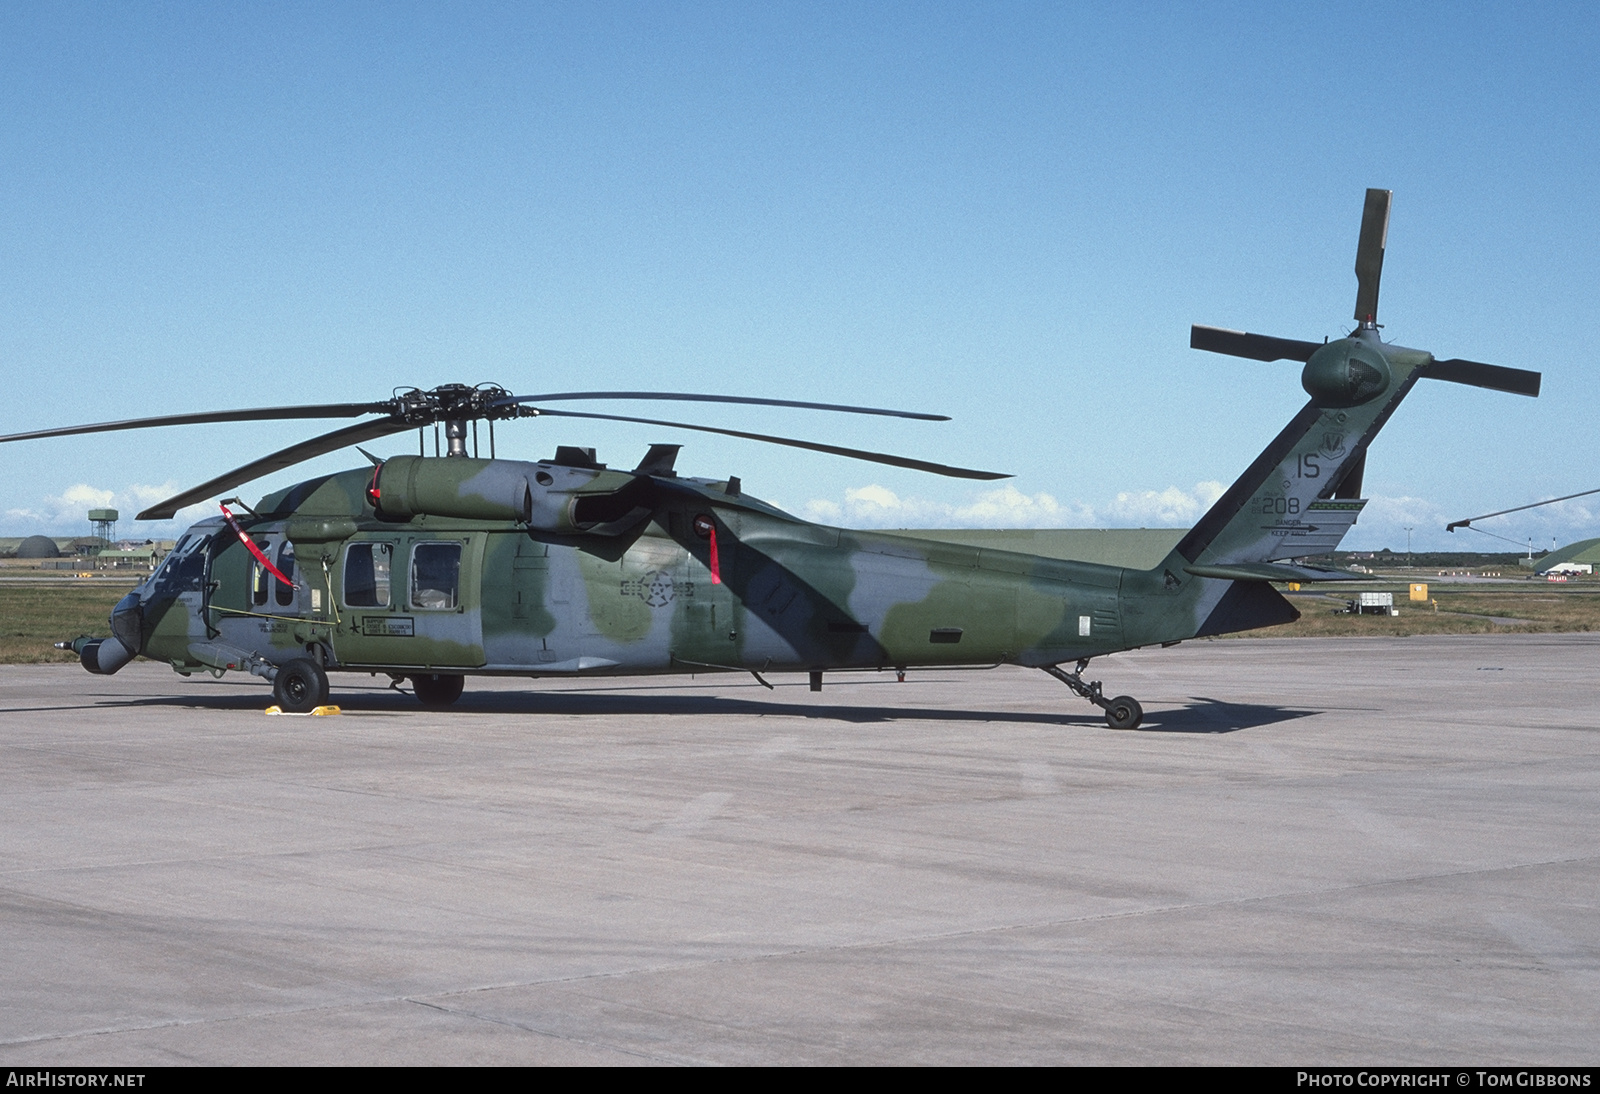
pixel 250 545
pixel 706 528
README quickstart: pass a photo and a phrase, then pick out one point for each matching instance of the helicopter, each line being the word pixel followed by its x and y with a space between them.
pixel 436 568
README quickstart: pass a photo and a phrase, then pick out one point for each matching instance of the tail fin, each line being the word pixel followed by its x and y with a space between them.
pixel 1297 498
pixel 1301 494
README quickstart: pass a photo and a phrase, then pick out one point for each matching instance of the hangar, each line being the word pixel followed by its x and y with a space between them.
pixel 1572 557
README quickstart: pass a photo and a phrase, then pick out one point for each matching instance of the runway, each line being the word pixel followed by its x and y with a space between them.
pixel 1320 851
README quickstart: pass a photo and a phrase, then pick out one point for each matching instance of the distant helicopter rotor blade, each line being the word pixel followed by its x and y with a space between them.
pixel 287 457
pixel 1517 381
pixel 1453 525
pixel 259 414
pixel 836 450
pixel 1369 253
pixel 678 396
pixel 1256 347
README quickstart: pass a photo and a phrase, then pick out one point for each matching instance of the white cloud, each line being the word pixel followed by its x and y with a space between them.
pixel 879 507
pixel 1385 519
pixel 67 514
pixel 1007 507
pixel 1171 507
pixel 1383 523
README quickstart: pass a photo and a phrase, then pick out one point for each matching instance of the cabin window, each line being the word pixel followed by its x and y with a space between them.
pixel 259 580
pixel 435 575
pixel 284 593
pixel 366 575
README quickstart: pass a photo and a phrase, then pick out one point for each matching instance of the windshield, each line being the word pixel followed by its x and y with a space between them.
pixel 184 570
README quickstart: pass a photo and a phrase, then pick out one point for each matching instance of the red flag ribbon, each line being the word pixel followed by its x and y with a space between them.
pixel 250 545
pixel 716 568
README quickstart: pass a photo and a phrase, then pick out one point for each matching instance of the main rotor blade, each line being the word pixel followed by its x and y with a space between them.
pixel 1369 253
pixel 1453 525
pixel 259 414
pixel 836 450
pixel 1257 347
pixel 1518 381
pixel 678 396
pixel 287 457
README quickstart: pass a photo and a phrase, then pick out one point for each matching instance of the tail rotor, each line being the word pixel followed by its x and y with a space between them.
pixel 1370 248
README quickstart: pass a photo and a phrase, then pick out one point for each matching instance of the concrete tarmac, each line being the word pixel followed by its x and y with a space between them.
pixel 1318 851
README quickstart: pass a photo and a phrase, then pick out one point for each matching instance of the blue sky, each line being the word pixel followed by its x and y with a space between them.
pixel 1006 212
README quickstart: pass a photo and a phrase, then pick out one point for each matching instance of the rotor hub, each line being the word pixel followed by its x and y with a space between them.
pixel 453 403
pixel 1346 373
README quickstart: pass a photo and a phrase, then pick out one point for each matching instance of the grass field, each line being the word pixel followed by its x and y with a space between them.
pixel 34 617
pixel 1530 607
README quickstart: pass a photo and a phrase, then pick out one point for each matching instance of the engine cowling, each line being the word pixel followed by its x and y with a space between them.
pixel 548 497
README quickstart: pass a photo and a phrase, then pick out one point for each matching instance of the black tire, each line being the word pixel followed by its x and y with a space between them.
pixel 300 686
pixel 438 689
pixel 1124 713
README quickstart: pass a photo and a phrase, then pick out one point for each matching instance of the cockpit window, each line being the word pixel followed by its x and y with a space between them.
pixel 185 568
pixel 366 575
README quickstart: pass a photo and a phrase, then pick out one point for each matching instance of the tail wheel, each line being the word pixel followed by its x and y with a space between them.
pixel 1124 712
pixel 438 689
pixel 300 686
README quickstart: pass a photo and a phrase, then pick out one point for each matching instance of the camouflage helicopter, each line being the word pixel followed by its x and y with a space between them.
pixel 435 568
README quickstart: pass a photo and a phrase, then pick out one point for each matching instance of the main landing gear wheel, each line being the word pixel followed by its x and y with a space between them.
pixel 300 686
pixel 1124 713
pixel 438 689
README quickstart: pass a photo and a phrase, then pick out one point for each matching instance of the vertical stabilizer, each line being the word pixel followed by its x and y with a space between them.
pixel 1290 501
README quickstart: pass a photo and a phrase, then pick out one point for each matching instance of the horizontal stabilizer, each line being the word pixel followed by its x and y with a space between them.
pixel 1274 571
pixel 1518 381
pixel 1318 528
pixel 1257 347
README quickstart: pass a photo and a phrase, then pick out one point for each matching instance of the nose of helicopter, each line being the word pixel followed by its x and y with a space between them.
pixel 104 656
pixel 127 622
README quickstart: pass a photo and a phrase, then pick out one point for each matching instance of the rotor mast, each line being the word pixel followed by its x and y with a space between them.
pixel 458 407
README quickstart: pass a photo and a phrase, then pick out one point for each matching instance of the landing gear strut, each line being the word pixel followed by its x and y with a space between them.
pixel 1123 712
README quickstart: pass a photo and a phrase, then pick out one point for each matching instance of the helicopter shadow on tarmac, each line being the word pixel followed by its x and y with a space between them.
pixel 1198 715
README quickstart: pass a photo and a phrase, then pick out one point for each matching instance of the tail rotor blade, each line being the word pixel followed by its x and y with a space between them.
pixel 1256 347
pixel 1369 254
pixel 1518 381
